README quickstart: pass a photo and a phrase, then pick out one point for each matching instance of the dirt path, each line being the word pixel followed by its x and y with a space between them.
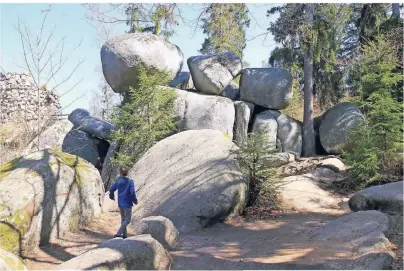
pixel 275 243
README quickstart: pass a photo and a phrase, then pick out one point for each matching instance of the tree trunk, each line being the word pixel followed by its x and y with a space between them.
pixel 308 127
pixel 396 10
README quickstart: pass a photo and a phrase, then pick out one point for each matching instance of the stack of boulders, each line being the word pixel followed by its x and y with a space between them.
pixel 19 99
pixel 217 93
pixel 89 138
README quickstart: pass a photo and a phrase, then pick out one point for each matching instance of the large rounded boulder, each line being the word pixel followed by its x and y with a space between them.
pixel 121 55
pixel 191 178
pixel 195 111
pixel 336 125
pixel 44 195
pixel 268 87
pixel 135 253
pixel 212 73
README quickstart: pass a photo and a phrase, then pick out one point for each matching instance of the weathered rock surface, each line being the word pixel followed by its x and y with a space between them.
pixel 212 73
pixel 289 133
pixel 191 178
pixel 360 237
pixel 135 253
pixel 52 137
pixel 160 228
pixel 243 116
pixel 231 91
pixel 307 192
pixel 9 261
pixel 80 143
pixel 280 158
pixel 265 122
pixel 45 194
pixel 109 172
pixel 97 127
pixel 197 111
pixel 267 87
pixel 336 124
pixel 120 57
pixel 183 81
pixel 387 198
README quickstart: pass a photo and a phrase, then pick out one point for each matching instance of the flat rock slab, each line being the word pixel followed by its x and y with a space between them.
pixel 358 240
pixel 386 198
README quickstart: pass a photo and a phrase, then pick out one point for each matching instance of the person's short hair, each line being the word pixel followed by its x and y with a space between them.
pixel 123 171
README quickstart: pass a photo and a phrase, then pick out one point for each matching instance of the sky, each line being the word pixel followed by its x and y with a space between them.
pixel 69 22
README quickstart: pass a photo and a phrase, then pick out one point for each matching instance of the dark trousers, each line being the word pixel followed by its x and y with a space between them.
pixel 126 217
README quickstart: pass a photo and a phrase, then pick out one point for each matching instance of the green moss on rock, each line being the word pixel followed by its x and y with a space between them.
pixel 12 229
pixel 7 167
pixel 12 261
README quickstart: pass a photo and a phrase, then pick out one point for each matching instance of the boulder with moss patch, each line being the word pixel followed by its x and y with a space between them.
pixel 45 194
pixel 9 261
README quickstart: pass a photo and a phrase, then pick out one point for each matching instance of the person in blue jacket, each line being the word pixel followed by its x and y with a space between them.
pixel 126 198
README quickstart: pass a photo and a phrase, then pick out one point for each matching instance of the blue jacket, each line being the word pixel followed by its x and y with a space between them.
pixel 126 192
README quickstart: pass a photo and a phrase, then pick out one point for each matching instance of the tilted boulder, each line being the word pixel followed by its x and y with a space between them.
pixel 80 143
pixel 387 198
pixel 160 228
pixel 244 112
pixel 336 125
pixel 121 56
pixel 267 87
pixel 191 178
pixel 83 121
pixel 212 73
pixel 195 111
pixel 135 253
pixel 44 195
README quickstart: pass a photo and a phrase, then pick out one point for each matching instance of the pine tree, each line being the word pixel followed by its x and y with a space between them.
pixel 145 118
pixel 225 26
pixel 377 145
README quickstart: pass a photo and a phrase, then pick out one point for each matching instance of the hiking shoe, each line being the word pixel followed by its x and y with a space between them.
pixel 124 236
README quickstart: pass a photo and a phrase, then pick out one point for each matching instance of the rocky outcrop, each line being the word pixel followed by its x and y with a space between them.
pixel 212 73
pixel 387 198
pixel 244 112
pixel 308 193
pixel 336 124
pixel 135 253
pixel 160 228
pixel 50 138
pixel 80 143
pixel 197 111
pixel 45 194
pixel 19 100
pixel 359 241
pixel 109 172
pixel 120 57
pixel 83 121
pixel 191 178
pixel 267 87
pixel 9 261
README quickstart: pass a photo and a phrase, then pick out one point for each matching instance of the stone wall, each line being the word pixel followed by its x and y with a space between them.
pixel 19 99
